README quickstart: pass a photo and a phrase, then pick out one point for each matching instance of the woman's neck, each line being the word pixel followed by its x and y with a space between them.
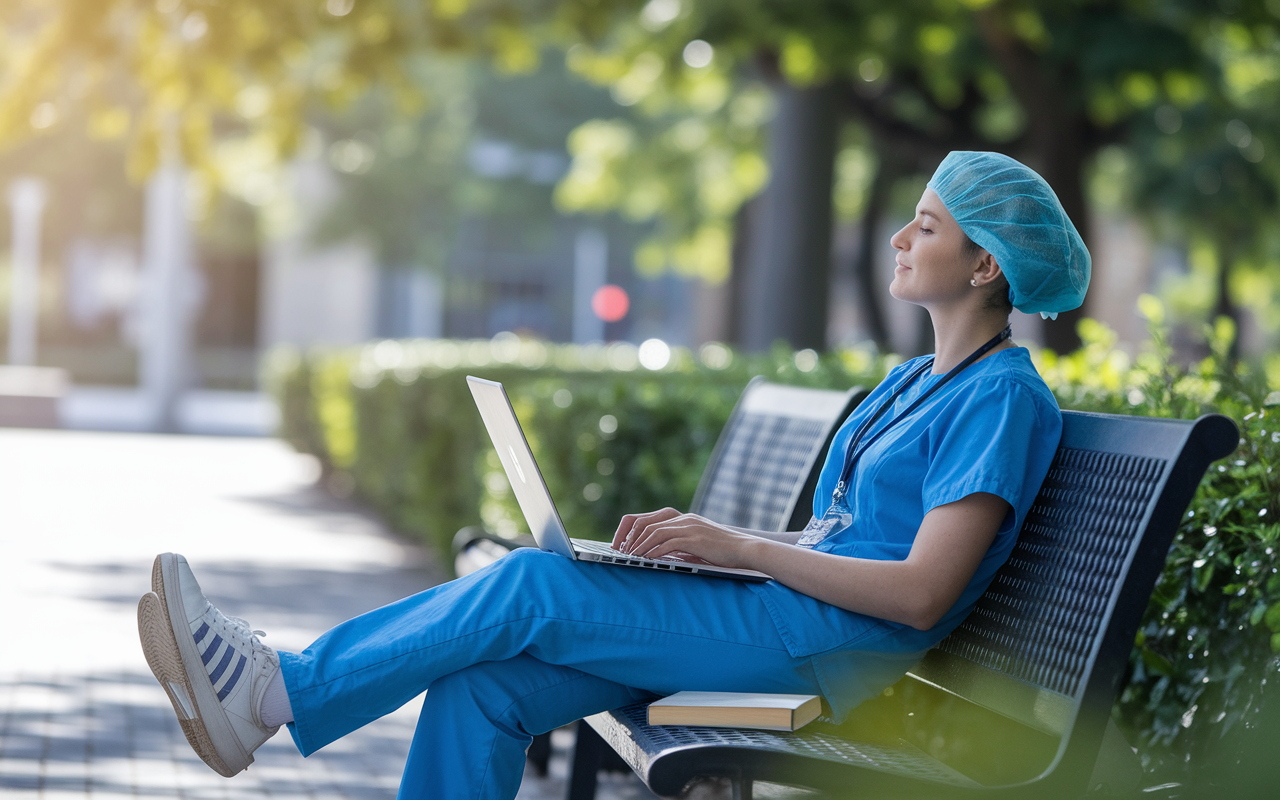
pixel 957 335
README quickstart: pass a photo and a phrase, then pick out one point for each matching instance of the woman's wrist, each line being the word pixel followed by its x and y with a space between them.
pixel 756 553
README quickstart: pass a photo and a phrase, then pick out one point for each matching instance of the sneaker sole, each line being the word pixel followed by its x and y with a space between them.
pixel 195 703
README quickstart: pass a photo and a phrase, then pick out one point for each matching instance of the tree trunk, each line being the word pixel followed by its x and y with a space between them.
pixel 787 284
pixel 864 264
pixel 743 224
pixel 1223 305
pixel 1060 158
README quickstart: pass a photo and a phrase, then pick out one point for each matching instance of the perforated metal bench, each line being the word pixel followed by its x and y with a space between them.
pixel 1017 700
pixel 761 475
pixel 764 468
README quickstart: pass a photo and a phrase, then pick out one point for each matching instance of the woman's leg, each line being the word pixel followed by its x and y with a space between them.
pixel 477 722
pixel 641 628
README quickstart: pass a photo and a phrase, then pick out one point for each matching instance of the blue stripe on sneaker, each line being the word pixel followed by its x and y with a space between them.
pixel 222 665
pixel 207 655
pixel 231 682
pixel 200 634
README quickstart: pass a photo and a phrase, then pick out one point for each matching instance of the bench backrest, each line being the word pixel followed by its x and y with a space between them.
pixel 1047 644
pixel 762 471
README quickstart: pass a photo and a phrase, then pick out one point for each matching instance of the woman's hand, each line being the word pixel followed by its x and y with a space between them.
pixel 689 537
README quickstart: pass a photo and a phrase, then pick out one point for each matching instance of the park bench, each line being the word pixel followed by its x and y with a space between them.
pixel 761 475
pixel 1017 700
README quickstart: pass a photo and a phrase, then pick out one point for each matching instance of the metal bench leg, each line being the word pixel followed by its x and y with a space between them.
pixel 588 752
pixel 741 788
pixel 539 753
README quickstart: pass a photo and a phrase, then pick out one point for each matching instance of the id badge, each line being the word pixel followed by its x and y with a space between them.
pixel 835 520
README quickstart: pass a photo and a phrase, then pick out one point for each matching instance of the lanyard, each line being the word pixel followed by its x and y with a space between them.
pixel 854 451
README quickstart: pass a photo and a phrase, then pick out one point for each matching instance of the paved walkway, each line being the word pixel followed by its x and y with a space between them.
pixel 203 411
pixel 81 517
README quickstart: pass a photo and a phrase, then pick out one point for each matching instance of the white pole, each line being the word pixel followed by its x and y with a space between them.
pixel 26 199
pixel 590 270
pixel 167 295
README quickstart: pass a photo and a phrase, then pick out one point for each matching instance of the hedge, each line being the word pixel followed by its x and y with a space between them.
pixel 394 423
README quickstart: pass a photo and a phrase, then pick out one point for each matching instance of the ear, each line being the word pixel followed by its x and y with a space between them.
pixel 986 269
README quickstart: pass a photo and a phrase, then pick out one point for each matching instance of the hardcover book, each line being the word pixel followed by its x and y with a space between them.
pixel 774 712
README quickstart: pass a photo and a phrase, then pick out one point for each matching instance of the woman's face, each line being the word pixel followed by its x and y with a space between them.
pixel 934 265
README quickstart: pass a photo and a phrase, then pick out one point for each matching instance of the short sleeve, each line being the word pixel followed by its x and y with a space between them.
pixel 981 445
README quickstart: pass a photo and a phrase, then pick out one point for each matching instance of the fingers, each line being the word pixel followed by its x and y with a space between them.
pixel 663 537
pixel 632 524
pixel 674 550
pixel 646 534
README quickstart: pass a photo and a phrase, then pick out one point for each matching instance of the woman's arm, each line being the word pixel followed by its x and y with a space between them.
pixel 786 537
pixel 917 591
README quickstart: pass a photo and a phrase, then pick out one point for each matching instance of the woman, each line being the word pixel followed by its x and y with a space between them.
pixel 918 504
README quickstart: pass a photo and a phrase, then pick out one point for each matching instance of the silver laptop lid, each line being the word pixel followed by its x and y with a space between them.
pixel 522 471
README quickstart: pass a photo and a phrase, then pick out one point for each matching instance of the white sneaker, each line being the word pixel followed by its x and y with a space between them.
pixel 212 666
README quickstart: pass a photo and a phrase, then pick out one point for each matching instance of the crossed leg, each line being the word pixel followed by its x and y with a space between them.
pixel 521 647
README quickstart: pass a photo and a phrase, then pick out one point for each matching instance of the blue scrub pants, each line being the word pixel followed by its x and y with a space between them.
pixel 522 647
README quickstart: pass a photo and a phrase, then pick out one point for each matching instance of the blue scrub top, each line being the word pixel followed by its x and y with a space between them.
pixel 993 428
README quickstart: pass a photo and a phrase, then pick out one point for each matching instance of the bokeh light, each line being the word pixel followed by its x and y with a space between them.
pixel 610 303
pixel 698 54
pixel 654 354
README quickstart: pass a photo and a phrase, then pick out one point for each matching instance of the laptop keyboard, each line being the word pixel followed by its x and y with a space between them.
pixel 611 555
pixel 599 547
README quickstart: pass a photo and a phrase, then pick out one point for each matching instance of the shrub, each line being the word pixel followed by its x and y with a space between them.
pixel 395 423
pixel 1210 636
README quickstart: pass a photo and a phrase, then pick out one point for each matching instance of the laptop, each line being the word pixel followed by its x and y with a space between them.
pixel 539 509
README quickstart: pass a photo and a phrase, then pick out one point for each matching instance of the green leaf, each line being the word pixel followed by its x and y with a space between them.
pixel 1158 664
pixel 1273 617
pixel 1256 615
pixel 1203 575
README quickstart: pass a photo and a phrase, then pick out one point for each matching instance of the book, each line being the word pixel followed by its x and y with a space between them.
pixel 773 712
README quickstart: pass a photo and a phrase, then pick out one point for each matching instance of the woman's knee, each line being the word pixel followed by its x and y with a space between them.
pixel 527 557
pixel 530 566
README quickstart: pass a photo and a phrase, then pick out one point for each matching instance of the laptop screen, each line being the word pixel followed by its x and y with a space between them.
pixel 522 471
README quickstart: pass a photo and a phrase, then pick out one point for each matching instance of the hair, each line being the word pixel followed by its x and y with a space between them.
pixel 998 295
pixel 998 291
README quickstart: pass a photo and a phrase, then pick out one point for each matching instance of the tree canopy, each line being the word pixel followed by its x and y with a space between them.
pixel 1183 89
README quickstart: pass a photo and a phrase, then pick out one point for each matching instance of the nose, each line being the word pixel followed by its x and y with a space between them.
pixel 898 241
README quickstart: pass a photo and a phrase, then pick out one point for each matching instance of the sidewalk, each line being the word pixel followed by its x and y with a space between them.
pixel 81 517
pixel 202 411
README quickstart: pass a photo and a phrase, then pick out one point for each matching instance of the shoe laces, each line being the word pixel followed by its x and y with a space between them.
pixel 241 627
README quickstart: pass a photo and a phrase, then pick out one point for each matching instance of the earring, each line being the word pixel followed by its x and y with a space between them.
pixel 973 281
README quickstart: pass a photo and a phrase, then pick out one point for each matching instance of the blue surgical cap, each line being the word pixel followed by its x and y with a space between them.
pixel 1013 214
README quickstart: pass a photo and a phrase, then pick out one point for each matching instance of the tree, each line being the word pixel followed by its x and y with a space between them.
pixel 1050 81
pixel 1206 172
